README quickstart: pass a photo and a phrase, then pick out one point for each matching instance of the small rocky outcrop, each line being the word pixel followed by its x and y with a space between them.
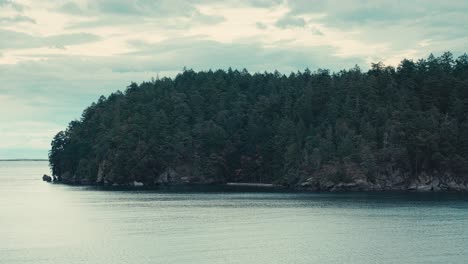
pixel 46 178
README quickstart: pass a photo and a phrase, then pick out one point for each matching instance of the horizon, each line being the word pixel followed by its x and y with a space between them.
pixel 59 57
pixel 20 159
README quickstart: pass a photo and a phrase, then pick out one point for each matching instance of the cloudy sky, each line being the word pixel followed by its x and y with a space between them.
pixel 58 56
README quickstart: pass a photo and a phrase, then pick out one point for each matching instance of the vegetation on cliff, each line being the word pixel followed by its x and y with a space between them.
pixel 234 126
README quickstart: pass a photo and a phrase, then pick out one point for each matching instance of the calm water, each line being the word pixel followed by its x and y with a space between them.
pixel 46 223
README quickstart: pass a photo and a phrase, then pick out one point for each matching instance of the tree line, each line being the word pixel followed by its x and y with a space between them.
pixel 235 126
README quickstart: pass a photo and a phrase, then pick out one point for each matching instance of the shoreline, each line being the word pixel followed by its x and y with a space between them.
pixel 239 187
pixel 252 184
pixel 23 160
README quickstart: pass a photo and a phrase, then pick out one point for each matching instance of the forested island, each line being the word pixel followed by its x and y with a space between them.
pixel 403 128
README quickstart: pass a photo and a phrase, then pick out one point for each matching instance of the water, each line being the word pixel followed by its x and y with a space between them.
pixel 47 223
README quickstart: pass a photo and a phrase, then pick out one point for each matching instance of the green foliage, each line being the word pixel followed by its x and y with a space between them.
pixel 269 127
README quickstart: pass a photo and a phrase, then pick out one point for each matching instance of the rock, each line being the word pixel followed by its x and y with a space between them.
pixel 399 188
pixel 424 188
pixel 424 179
pixel 443 187
pixel 337 188
pixel 137 184
pixel 309 185
pixel 326 186
pixel 454 186
pixel 168 176
pixel 377 187
pixel 412 187
pixel 388 182
pixel 343 187
pixel 185 179
pixel 101 177
pixel 363 185
pixel 397 180
pixel 435 182
pixel 46 178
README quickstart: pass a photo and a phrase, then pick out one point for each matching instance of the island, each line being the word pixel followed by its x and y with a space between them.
pixel 387 128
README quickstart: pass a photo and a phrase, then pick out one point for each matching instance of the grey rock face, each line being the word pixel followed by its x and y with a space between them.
pixel 393 182
pixel 46 178
pixel 137 184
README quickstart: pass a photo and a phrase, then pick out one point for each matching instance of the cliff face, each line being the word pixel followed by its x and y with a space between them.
pixel 388 128
pixel 326 180
pixel 181 174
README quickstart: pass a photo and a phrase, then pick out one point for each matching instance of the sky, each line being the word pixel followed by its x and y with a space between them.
pixel 58 56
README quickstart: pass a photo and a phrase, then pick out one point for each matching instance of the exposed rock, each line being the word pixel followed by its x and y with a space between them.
pixel 167 176
pixel 185 179
pixel 435 183
pixel 310 185
pixel 424 188
pixel 46 178
pixel 454 186
pixel 342 187
pixel 137 184
pixel 413 186
pixel 395 181
pixel 376 187
pixel 363 185
pixel 326 186
pixel 101 170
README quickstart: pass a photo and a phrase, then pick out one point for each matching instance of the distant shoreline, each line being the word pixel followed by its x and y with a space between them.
pixel 23 159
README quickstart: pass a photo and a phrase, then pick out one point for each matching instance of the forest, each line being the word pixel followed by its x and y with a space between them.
pixel 384 128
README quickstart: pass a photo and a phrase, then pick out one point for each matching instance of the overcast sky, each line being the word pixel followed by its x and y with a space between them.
pixel 56 57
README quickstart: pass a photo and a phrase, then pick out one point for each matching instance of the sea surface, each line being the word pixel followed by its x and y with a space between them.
pixel 50 223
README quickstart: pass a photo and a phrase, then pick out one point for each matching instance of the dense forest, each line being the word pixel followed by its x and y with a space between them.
pixel 386 128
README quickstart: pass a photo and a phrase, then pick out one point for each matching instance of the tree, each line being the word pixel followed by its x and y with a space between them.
pixel 268 127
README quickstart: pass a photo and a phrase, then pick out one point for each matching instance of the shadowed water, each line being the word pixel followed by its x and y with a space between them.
pixel 47 223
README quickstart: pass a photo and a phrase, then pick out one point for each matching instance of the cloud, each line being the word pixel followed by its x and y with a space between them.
pixel 12 4
pixel 144 8
pixel 290 21
pixel 18 40
pixel 261 25
pixel 203 54
pixel 70 8
pixel 158 18
pixel 265 3
pixel 17 19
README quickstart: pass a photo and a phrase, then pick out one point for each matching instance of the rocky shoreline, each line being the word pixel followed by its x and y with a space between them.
pixel 424 183
pixel 421 184
pixel 327 179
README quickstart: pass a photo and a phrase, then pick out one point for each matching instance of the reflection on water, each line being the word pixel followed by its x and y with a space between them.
pixel 46 223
